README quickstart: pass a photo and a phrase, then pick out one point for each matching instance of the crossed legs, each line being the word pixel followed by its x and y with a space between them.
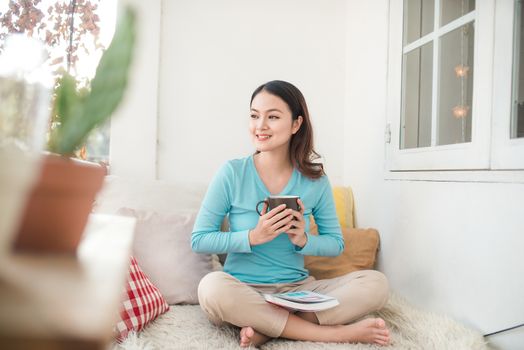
pixel 359 293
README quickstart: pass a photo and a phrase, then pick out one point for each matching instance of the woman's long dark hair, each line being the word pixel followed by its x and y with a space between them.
pixel 301 147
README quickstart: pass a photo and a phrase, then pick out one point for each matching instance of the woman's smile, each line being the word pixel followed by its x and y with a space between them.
pixel 263 137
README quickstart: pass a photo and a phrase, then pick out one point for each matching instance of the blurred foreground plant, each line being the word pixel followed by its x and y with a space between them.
pixel 78 112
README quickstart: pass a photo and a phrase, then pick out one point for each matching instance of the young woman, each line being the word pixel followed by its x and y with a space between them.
pixel 266 252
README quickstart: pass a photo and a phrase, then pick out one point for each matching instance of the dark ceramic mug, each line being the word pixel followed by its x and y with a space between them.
pixel 274 201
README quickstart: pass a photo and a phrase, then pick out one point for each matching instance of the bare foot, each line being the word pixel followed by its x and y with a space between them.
pixel 248 337
pixel 369 330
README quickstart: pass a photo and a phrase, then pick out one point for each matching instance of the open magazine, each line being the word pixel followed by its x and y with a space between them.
pixel 302 301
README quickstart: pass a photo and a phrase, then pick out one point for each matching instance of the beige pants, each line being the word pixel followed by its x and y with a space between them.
pixel 227 300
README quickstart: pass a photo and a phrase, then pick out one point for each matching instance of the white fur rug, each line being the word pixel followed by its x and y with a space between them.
pixel 186 327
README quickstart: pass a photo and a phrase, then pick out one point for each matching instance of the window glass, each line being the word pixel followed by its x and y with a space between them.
pixel 453 9
pixel 456 86
pixel 418 19
pixel 517 118
pixel 74 33
pixel 416 101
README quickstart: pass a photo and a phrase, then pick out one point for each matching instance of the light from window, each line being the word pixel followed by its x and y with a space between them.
pixel 74 33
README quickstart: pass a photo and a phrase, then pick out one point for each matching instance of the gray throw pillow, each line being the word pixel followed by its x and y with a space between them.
pixel 162 246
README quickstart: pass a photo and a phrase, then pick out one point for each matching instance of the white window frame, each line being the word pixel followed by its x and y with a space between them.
pixel 496 158
pixel 474 155
pixel 507 153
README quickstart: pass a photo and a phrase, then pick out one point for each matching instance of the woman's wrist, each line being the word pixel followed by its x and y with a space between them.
pixel 304 241
pixel 250 236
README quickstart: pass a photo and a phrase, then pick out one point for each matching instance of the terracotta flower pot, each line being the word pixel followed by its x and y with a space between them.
pixel 59 205
pixel 17 176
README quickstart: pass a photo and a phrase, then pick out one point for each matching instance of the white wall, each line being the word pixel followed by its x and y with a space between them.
pixel 215 53
pixel 134 126
pixel 451 247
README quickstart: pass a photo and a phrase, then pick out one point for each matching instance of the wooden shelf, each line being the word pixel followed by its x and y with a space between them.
pixel 52 299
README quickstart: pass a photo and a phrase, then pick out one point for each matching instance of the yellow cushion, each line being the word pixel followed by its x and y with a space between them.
pixel 359 253
pixel 343 197
pixel 361 245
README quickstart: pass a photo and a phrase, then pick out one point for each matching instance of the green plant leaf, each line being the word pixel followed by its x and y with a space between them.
pixel 107 89
pixel 67 103
pixel 66 97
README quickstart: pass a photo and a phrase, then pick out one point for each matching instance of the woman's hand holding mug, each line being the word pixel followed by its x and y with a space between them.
pixel 297 232
pixel 280 220
pixel 270 224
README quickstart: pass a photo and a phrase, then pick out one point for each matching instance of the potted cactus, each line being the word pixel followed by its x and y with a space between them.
pixel 60 202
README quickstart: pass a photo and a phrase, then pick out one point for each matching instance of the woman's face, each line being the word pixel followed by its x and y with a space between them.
pixel 271 125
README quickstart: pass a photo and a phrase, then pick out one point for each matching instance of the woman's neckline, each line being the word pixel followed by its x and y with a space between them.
pixel 285 190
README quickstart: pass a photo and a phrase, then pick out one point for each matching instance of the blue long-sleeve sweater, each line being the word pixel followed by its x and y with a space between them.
pixel 235 191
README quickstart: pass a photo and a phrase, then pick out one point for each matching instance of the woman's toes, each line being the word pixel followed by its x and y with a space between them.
pixel 246 333
pixel 380 323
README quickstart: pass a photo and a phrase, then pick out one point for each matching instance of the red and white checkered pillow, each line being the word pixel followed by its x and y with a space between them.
pixel 142 302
